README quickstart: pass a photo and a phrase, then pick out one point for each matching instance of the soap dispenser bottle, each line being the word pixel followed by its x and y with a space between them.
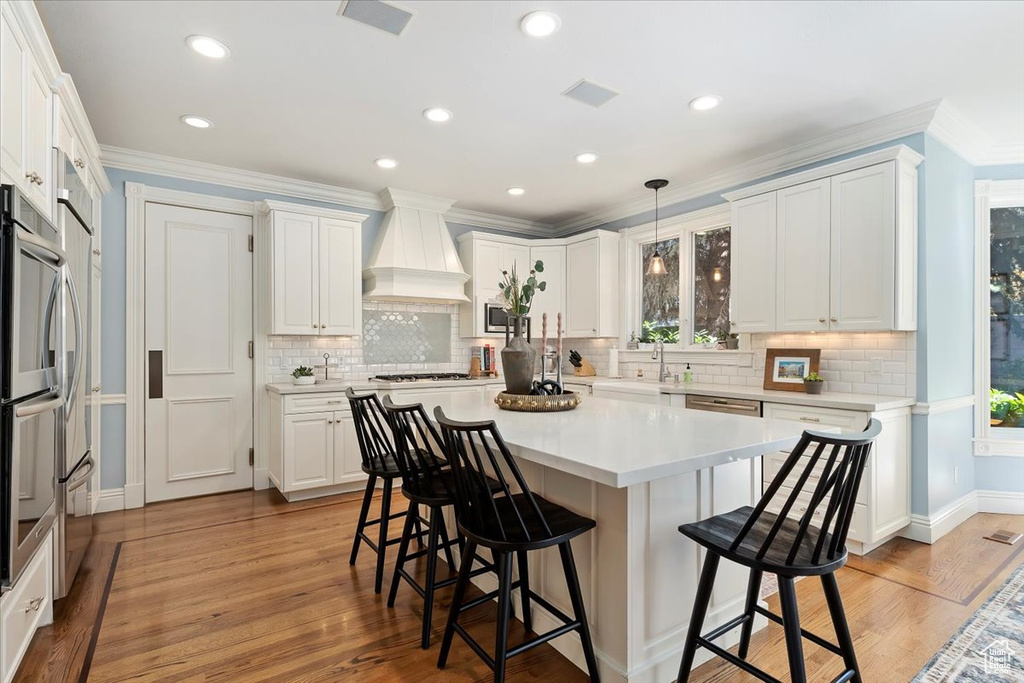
pixel 687 375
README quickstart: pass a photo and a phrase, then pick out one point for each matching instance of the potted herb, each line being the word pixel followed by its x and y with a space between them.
pixel 732 341
pixel 813 383
pixel 303 375
pixel 633 344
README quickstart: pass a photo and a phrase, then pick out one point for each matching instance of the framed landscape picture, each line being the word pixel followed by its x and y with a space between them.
pixel 785 369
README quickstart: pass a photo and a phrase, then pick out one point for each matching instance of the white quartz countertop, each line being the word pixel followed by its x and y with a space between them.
pixel 861 402
pixel 619 444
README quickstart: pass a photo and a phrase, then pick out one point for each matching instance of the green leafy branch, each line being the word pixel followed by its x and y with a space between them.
pixel 516 297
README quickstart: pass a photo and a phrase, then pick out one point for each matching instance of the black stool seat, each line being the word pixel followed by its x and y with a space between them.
pixel 719 532
pixel 506 533
pixel 384 467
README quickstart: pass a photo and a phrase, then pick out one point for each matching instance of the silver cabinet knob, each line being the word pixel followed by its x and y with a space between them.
pixel 314 326
pixel 79 163
pixel 34 178
pixel 96 389
pixel 330 422
pixel 821 320
pixel 96 252
pixel 834 319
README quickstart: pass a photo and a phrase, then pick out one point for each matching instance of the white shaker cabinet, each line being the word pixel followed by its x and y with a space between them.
pixel 802 257
pixel 592 285
pixel 309 446
pixel 316 269
pixel 752 267
pixel 552 299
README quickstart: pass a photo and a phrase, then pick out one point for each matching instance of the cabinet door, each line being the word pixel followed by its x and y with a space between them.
pixel 348 462
pixel 552 299
pixel 341 293
pixel 487 265
pixel 13 53
pixel 582 290
pixel 38 138
pixel 863 249
pixel 296 280
pixel 518 256
pixel 753 264
pixel 308 451
pixel 802 257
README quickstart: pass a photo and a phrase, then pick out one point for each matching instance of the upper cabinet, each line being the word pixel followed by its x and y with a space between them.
pixel 581 272
pixel 834 248
pixel 26 132
pixel 315 269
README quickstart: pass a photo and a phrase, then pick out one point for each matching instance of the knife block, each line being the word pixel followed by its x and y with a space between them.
pixel 585 369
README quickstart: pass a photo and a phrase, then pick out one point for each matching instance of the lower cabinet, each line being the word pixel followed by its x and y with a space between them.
pixel 27 606
pixel 314 448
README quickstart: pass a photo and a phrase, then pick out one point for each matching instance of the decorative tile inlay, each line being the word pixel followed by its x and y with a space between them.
pixel 406 337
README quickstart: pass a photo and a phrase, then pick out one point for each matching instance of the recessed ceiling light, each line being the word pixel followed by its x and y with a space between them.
pixel 437 115
pixel 384 162
pixel 208 47
pixel 516 191
pixel 586 157
pixel 196 121
pixel 540 24
pixel 705 102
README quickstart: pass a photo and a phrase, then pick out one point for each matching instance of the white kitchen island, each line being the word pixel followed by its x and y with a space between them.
pixel 640 471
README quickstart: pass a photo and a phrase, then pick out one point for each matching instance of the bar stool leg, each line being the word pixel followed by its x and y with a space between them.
pixel 403 550
pixel 524 588
pixel 835 608
pixel 363 512
pixel 414 510
pixel 428 587
pixel 504 614
pixel 700 610
pixel 753 593
pixel 791 625
pixel 445 541
pixel 465 567
pixel 382 543
pixel 576 597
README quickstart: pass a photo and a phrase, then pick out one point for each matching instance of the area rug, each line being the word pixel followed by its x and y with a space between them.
pixel 989 648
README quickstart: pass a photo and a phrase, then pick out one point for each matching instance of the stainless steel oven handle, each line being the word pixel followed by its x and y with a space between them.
pixel 724 406
pixel 76 374
pixel 51 401
pixel 84 479
pixel 41 248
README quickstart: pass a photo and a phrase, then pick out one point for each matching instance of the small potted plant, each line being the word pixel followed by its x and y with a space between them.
pixel 633 344
pixel 303 375
pixel 813 383
pixel 732 341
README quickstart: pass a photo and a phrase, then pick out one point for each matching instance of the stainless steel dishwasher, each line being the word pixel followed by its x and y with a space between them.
pixel 717 404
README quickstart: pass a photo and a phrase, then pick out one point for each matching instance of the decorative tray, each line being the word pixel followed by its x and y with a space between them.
pixel 528 403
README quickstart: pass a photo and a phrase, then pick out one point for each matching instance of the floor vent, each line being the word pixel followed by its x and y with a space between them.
pixel 1004 536
pixel 376 13
pixel 590 93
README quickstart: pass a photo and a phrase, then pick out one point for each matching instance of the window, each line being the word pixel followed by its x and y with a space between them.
pixel 1006 318
pixel 660 293
pixel 689 303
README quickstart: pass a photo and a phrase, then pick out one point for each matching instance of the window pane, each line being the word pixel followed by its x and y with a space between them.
pixel 1006 317
pixel 659 304
pixel 711 284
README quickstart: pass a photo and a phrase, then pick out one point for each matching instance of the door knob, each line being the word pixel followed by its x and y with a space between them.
pixel 95 252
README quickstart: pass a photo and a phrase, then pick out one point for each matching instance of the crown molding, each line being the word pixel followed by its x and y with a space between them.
pixel 1005 154
pixel 874 132
pixel 198 171
pixel 952 129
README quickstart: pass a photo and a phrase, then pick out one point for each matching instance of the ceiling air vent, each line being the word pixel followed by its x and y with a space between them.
pixel 590 93
pixel 378 14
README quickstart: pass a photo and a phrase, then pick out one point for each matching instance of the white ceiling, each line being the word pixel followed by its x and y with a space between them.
pixel 310 95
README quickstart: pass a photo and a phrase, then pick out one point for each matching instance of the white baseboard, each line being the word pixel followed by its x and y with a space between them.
pixel 134 496
pixel 260 478
pixel 1001 502
pixel 111 500
pixel 930 528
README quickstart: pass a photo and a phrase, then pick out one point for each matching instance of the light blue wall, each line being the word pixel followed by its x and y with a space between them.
pixel 112 447
pixel 1002 172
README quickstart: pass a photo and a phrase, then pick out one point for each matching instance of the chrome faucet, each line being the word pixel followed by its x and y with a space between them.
pixel 659 353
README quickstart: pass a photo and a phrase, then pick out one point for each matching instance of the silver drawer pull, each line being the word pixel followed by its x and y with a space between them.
pixel 34 604
pixel 810 419
pixel 336 400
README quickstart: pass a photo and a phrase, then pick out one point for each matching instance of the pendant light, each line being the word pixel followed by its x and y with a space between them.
pixel 657 265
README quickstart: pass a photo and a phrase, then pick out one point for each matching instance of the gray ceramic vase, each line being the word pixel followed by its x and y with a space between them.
pixel 518 359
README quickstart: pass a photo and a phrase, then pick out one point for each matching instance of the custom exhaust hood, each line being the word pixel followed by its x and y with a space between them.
pixel 414 258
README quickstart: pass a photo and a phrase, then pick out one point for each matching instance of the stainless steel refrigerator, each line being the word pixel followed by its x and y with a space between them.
pixel 75 464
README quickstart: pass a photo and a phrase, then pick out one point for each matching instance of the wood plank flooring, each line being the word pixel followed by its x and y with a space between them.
pixel 248 587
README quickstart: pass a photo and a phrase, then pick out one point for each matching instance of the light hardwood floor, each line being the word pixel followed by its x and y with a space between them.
pixel 247 587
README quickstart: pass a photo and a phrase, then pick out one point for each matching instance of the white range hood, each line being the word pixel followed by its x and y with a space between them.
pixel 414 258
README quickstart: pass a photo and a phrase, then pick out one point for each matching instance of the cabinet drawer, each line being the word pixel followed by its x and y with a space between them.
pixel 773 464
pixel 858 523
pixel 24 607
pixel 846 420
pixel 315 403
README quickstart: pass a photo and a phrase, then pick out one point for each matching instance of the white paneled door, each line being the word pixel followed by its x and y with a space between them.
pixel 199 408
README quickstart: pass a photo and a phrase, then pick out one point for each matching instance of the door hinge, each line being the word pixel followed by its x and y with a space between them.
pixel 250 350
pixel 252 243
pixel 252 457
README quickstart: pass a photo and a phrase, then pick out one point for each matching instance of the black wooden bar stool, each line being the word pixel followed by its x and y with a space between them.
pixel 788 547
pixel 373 430
pixel 426 480
pixel 510 524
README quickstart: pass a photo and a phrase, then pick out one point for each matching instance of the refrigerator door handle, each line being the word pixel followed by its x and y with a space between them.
pixel 87 466
pixel 40 248
pixel 50 401
pixel 76 374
